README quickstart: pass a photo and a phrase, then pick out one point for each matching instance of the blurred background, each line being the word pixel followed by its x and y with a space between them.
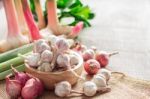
pixel 119 25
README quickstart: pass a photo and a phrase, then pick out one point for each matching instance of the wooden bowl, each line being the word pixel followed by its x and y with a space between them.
pixel 49 79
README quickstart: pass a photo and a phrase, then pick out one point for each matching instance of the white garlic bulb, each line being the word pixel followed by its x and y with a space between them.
pixel 99 80
pixel 43 47
pixel 52 39
pixel 89 88
pixel 38 43
pixel 106 73
pixel 45 67
pixel 63 60
pixel 62 44
pixel 73 60
pixel 63 89
pixel 46 56
pixel 41 68
pixel 33 59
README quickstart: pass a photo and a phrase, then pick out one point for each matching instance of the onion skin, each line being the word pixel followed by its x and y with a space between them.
pixel 102 58
pixel 32 89
pixel 20 76
pixel 91 66
pixel 13 87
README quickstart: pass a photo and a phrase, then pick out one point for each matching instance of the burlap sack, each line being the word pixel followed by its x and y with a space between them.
pixel 122 87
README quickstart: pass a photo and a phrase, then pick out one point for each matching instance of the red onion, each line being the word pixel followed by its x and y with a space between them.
pixel 13 87
pixel 32 89
pixel 92 66
pixel 103 57
pixel 20 76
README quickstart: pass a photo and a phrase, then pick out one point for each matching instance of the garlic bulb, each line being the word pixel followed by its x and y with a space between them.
pixel 38 43
pixel 73 60
pixel 89 88
pixel 33 59
pixel 52 39
pixel 99 80
pixel 45 67
pixel 63 60
pixel 106 73
pixel 62 89
pixel 43 47
pixel 62 44
pixel 46 56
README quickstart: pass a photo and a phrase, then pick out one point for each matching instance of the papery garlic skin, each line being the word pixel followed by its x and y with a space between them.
pixel 89 88
pixel 62 89
pixel 99 80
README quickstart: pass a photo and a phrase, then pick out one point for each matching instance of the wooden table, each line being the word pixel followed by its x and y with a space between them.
pixel 119 25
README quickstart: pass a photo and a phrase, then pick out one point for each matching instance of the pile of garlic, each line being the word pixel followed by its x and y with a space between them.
pixel 52 54
pixel 99 83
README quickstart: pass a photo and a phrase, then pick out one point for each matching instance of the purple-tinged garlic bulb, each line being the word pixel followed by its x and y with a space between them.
pixel 63 89
pixel 33 59
pixel 46 56
pixel 63 60
pixel 73 60
pixel 62 44
pixel 43 47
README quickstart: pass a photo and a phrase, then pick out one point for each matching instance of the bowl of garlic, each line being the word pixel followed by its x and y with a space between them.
pixel 53 61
